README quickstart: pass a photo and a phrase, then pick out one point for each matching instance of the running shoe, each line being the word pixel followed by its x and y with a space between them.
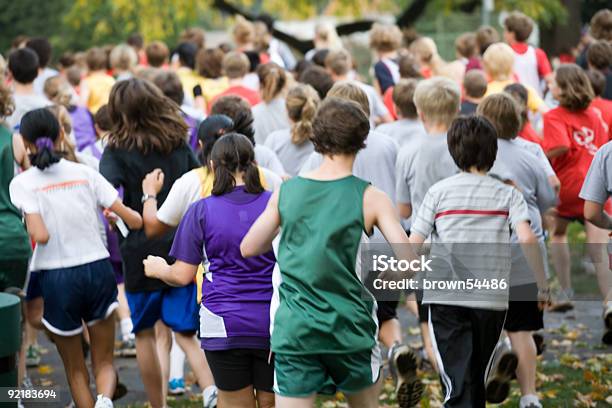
pixel 500 372
pixel 33 355
pixel 176 386
pixel 403 363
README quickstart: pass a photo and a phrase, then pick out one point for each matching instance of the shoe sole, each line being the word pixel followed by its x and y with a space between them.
pixel 498 387
pixel 410 388
pixel 179 391
pixel 608 320
pixel 128 353
pixel 120 391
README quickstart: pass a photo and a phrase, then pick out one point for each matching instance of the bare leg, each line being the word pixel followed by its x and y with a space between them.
pixel 559 250
pixel 390 333
pixel 34 312
pixel 69 349
pixel 150 370
pixel 264 399
pixel 163 339
pixel 525 348
pixel 197 359
pixel 367 398
pixel 102 346
pixel 290 402
pixel 597 248
pixel 426 337
pixel 244 398
pixel 123 311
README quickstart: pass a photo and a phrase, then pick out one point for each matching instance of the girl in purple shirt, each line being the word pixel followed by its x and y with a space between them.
pixel 235 309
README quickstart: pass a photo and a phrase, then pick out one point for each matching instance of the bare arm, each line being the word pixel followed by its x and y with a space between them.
pixel 405 210
pixel 531 248
pixel 20 153
pixel 37 228
pixel 131 217
pixel 259 238
pixel 178 274
pixel 595 214
pixel 152 185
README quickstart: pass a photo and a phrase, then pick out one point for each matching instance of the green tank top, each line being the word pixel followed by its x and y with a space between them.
pixel 14 241
pixel 322 307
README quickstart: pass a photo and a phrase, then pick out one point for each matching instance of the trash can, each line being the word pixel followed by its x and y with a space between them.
pixel 10 339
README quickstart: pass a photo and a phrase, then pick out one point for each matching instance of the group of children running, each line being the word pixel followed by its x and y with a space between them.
pixel 216 202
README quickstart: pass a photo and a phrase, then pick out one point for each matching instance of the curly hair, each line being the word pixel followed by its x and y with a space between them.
pixel 7 105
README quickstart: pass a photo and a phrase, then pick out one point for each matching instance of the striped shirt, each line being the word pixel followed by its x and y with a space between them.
pixel 469 218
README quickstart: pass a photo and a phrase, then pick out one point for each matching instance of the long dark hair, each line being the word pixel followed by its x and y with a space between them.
pixel 231 153
pixel 144 118
pixel 210 130
pixel 40 128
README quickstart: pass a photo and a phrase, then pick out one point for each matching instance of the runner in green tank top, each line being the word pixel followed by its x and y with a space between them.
pixel 324 329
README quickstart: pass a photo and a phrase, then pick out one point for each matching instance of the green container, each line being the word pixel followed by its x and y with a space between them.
pixel 10 338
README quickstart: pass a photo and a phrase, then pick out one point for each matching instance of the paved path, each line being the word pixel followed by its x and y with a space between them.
pixel 578 331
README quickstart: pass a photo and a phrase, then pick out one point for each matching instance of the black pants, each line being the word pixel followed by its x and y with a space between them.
pixel 464 339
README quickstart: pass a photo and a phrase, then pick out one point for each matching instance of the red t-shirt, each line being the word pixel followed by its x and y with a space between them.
pixel 251 96
pixel 529 133
pixel 582 133
pixel 544 67
pixel 603 108
pixel 388 101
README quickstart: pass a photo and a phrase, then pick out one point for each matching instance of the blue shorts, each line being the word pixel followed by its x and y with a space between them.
pixel 33 289
pixel 85 293
pixel 176 307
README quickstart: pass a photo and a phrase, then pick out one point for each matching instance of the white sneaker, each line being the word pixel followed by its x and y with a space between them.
pixel 103 402
pixel 529 401
pixel 209 397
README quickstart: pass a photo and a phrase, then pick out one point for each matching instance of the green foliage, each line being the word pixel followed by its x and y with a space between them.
pixel 545 12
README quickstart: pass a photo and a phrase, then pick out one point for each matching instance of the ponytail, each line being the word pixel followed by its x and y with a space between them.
pixel 272 79
pixel 233 153
pixel 40 129
pixel 302 103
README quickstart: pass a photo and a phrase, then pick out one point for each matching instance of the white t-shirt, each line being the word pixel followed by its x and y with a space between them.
pixel 292 156
pixel 269 117
pixel 265 157
pixel 67 196
pixel 186 190
pixel 23 104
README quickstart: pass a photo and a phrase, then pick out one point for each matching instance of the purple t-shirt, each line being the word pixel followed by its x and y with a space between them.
pixel 236 292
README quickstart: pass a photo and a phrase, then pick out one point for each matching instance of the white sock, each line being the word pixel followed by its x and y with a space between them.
pixel 126 328
pixel 529 399
pixel 208 391
pixel 177 360
pixel 103 401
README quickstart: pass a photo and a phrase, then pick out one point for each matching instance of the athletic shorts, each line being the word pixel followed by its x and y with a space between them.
pixel 176 307
pixel 13 273
pixel 386 310
pixel 524 314
pixel 236 369
pixel 33 289
pixel 85 293
pixel 305 375
pixel 423 309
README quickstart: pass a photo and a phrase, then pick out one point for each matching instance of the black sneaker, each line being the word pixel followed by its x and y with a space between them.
pixel 500 372
pixel 403 364
pixel 607 317
pixel 538 339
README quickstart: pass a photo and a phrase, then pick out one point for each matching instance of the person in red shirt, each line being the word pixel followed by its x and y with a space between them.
pixel 408 68
pixel 236 66
pixel 531 64
pixel 572 134
pixel 602 107
pixel 521 95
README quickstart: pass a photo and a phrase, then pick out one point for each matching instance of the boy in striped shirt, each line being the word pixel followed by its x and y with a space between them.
pixel 471 214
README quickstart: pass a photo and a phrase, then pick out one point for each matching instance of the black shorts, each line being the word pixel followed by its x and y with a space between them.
pixel 236 369
pixel 387 310
pixel 523 312
pixel 423 309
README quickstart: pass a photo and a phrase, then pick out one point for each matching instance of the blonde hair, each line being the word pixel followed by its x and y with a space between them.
pixel 326 34
pixel 302 103
pixel 339 61
pixel 57 90
pixel 426 51
pixel 438 99
pixel 272 79
pixel 243 32
pixel 63 117
pixel 385 38
pixel 235 64
pixel 352 92
pixel 123 57
pixel 498 61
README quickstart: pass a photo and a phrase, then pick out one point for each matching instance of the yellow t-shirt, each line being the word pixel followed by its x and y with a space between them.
pixel 534 102
pixel 99 86
pixel 189 79
pixel 213 87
